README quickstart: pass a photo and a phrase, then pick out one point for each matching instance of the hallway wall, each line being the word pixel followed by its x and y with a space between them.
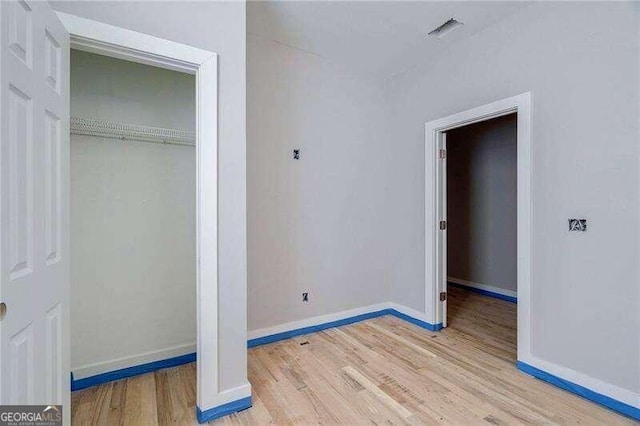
pixel 482 203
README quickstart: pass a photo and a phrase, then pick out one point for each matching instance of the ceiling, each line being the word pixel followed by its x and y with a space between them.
pixel 380 38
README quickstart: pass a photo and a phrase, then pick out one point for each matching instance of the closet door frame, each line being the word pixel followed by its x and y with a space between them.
pixel 108 40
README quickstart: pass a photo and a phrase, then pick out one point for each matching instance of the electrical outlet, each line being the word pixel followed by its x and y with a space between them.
pixel 296 154
pixel 305 297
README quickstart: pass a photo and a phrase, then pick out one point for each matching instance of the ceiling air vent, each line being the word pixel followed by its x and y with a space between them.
pixel 445 28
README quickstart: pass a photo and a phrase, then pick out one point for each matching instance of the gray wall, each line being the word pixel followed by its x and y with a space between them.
pixel 219 27
pixel 128 92
pixel 482 203
pixel 317 224
pixel 581 61
pixel 132 218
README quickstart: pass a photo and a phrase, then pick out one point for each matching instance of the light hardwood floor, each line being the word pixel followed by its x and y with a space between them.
pixel 382 370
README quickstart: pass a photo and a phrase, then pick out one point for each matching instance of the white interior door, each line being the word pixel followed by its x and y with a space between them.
pixel 34 194
pixel 442 225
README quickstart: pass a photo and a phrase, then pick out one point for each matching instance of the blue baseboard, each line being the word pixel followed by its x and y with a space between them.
pixel 223 410
pixel 244 403
pixel 596 397
pixel 484 292
pixel 130 371
pixel 185 359
pixel 415 321
pixel 357 318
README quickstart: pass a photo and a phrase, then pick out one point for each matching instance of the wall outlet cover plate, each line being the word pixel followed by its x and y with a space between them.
pixel 578 225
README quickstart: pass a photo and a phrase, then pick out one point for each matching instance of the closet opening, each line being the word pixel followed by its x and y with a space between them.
pixel 133 226
pixel 480 183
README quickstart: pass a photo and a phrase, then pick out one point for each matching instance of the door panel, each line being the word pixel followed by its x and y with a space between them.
pixel 55 372
pixel 53 189
pixel 20 360
pixel 20 182
pixel 20 37
pixel 34 183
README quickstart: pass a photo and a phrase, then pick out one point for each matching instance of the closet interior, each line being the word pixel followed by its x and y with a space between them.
pixel 133 186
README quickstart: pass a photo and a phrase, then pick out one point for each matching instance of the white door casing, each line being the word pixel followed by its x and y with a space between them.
pixel 109 40
pixel 434 169
pixel 34 205
pixel 441 253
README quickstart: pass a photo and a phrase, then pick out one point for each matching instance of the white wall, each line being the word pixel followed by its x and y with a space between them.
pixel 580 60
pixel 482 203
pixel 218 27
pixel 317 224
pixel 132 219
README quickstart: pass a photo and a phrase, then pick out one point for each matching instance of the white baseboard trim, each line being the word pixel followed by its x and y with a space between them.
pixel 489 288
pixel 310 325
pixel 314 321
pixel 227 402
pixel 596 385
pixel 93 369
pixel 233 394
pixel 410 312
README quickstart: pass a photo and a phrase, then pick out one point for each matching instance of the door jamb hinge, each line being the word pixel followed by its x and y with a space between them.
pixel 443 154
pixel 443 225
pixel 443 296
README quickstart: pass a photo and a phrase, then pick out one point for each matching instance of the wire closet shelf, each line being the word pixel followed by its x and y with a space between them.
pixel 132 132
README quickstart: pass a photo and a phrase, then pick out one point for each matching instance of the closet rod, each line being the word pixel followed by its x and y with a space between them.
pixel 134 132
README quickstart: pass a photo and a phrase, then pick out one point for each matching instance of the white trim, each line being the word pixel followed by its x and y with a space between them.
pixel 522 105
pixel 89 370
pixel 105 39
pixel 318 320
pixel 121 43
pixel 591 383
pixel 411 312
pixel 208 368
pixel 490 288
pixel 233 394
pixel 336 316
pixel 131 132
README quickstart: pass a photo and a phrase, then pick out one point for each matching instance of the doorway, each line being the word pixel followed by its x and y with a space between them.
pixel 132 211
pixel 480 189
pixel 115 42
pixel 436 225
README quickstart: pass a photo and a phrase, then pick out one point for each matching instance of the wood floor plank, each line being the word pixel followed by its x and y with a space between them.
pixel 141 406
pixel 375 390
pixel 380 371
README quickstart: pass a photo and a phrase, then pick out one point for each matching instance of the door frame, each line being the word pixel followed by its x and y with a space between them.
pixel 435 278
pixel 97 37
